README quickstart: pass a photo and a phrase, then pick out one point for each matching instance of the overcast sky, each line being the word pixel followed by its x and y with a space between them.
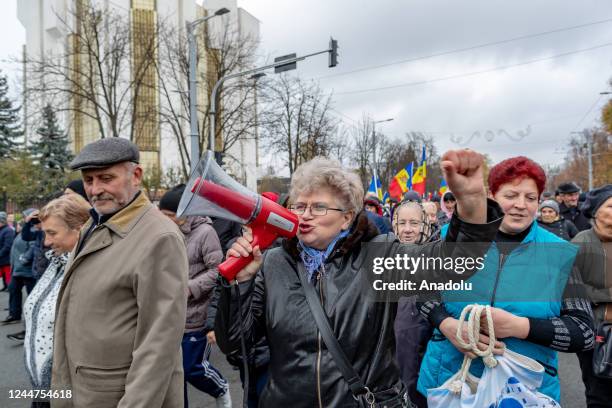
pixel 447 96
pixel 552 97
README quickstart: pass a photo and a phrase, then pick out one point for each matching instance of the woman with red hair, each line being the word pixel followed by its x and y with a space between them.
pixel 525 281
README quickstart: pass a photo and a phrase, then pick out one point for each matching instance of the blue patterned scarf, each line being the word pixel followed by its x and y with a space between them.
pixel 313 258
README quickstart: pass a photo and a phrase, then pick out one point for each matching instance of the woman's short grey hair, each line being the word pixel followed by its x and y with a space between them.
pixel 320 173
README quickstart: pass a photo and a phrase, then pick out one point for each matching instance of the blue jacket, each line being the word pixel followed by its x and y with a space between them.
pixel 382 223
pixel 528 282
pixel 7 235
pixel 22 255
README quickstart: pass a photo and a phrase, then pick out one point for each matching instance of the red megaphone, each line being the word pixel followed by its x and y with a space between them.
pixel 267 219
pixel 211 192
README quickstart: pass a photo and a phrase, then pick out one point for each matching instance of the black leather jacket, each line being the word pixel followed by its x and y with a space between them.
pixel 302 373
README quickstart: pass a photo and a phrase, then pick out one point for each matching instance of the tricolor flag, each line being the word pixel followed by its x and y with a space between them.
pixel 376 187
pixel 401 183
pixel 420 175
pixel 443 187
pixel 386 197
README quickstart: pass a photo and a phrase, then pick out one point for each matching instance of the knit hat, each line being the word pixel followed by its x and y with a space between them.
pixel 549 204
pixel 170 200
pixel 3 217
pixel 595 199
pixel 77 187
pixel 411 195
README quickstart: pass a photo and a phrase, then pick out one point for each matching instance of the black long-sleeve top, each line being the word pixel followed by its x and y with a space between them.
pixel 571 332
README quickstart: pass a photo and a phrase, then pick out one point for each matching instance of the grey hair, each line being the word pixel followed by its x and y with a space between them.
pixel 426 230
pixel 321 172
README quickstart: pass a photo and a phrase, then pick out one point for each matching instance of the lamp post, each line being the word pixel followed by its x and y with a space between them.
pixel 374 141
pixel 213 97
pixel 193 85
pixel 255 78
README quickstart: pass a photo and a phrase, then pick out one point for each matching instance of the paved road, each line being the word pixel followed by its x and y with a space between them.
pixel 13 376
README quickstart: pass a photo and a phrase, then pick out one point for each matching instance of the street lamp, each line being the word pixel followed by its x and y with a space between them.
pixel 193 85
pixel 374 139
pixel 256 78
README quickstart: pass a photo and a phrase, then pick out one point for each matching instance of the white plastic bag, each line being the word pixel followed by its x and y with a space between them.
pixel 508 381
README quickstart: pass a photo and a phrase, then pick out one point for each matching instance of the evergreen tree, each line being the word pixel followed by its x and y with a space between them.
pixel 9 122
pixel 51 149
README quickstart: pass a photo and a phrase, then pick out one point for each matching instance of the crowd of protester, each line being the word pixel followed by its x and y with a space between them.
pixel 124 301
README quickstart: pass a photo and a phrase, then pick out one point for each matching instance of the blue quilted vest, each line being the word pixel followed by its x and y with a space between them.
pixel 528 282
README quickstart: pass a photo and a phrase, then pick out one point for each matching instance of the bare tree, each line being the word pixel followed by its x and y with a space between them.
pixel 227 52
pixel 105 69
pixel 575 166
pixel 296 121
pixel 363 147
pixel 342 147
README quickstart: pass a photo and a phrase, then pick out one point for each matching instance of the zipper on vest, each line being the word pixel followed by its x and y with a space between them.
pixel 319 341
pixel 499 269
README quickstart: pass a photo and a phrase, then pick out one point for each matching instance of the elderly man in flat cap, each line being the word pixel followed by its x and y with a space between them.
pixel 121 308
pixel 569 209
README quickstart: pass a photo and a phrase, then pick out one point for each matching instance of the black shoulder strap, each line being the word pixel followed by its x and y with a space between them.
pixel 348 372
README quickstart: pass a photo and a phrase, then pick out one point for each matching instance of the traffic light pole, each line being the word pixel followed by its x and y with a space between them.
pixel 213 98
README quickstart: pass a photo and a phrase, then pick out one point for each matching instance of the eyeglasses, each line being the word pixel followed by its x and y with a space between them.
pixel 316 209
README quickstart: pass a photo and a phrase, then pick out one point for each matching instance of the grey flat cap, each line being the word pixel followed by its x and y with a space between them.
pixel 104 153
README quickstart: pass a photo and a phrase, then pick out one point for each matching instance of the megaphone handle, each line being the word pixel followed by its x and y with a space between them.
pixel 232 265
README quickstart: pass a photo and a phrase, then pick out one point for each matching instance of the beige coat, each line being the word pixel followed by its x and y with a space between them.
pixel 120 314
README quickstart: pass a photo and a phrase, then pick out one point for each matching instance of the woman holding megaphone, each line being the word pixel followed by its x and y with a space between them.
pixel 330 345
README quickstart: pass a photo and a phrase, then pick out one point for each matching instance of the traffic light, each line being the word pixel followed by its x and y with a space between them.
pixel 219 158
pixel 333 53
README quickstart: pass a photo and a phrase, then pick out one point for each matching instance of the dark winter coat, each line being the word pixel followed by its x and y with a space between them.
pixel 7 235
pixel 227 231
pixel 40 261
pixel 22 255
pixel 204 254
pixel 593 262
pixel 562 228
pixel 576 216
pixel 412 332
pixel 302 372
pixel 382 223
pixel 258 355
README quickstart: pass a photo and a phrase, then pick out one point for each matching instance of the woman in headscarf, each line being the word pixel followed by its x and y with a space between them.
pixel 447 205
pixel 411 225
pixel 330 252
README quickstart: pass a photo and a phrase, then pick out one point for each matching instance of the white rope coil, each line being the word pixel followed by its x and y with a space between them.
pixel 473 332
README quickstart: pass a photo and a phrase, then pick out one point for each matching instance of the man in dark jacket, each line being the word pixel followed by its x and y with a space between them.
pixel 569 193
pixel 31 232
pixel 6 241
pixel 21 269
